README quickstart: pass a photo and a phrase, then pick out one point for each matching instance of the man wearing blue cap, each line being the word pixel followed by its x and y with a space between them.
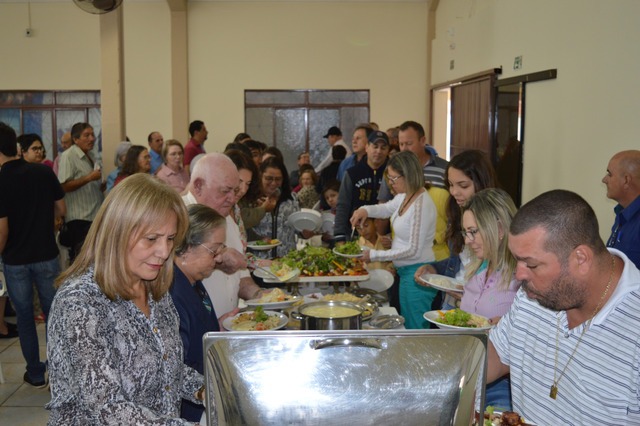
pixel 361 183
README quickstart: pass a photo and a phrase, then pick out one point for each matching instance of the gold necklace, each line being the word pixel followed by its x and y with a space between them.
pixel 553 393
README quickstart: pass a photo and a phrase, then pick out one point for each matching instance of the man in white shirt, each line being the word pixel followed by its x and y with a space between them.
pixel 214 183
pixel 333 137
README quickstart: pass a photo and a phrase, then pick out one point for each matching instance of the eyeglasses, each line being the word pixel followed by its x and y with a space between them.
pixel 37 148
pixel 217 251
pixel 470 234
pixel 272 179
pixel 392 180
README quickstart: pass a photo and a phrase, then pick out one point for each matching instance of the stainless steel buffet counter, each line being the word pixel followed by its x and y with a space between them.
pixel 359 377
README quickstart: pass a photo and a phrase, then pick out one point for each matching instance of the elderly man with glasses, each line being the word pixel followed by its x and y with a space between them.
pixel 214 183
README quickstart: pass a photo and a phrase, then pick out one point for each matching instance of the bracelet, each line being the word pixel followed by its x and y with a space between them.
pixel 200 393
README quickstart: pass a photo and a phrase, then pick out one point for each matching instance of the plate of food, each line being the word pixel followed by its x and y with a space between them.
pixel 261 245
pixel 498 418
pixel 457 319
pixel 257 320
pixel 442 282
pixel 275 299
pixel 349 250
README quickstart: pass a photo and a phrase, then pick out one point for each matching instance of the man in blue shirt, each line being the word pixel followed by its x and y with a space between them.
pixel 623 185
pixel 156 141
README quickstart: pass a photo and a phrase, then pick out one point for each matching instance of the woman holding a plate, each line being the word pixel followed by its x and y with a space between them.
pixel 413 218
pixel 274 225
pixel 467 173
pixel 491 285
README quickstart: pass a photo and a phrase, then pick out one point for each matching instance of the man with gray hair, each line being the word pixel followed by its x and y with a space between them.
pixel 81 178
pixel 623 185
pixel 214 183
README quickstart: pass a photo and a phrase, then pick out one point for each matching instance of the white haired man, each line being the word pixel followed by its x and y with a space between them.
pixel 214 183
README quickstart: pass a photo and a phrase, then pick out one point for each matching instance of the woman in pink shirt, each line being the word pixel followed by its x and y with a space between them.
pixel 491 285
pixel 173 172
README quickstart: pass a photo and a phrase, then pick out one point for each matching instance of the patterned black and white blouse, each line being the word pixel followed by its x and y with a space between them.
pixel 110 364
pixel 276 225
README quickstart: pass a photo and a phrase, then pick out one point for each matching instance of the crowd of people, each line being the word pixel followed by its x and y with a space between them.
pixel 158 255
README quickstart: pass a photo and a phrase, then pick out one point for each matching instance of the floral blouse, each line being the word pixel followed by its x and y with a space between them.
pixel 110 364
pixel 284 232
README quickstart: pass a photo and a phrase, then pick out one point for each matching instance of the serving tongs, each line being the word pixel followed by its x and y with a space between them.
pixel 288 277
pixel 268 272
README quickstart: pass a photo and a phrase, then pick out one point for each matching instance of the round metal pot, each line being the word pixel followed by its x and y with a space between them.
pixel 327 321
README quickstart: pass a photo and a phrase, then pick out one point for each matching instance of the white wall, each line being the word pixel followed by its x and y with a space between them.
pixel 573 124
pixel 62 54
pixel 235 46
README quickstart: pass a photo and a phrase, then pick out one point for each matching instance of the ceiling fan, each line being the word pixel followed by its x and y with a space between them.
pixel 98 7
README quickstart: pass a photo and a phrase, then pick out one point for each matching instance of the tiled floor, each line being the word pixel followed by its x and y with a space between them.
pixel 21 404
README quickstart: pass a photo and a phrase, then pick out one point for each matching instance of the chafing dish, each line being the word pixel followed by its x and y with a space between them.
pixel 357 377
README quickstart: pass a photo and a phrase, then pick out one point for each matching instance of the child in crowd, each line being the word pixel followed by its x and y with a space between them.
pixel 330 195
pixel 307 194
pixel 369 238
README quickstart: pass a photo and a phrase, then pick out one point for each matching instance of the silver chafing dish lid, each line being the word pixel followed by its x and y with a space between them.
pixel 357 377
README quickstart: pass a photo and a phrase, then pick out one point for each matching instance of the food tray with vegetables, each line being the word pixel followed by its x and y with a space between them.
pixel 319 264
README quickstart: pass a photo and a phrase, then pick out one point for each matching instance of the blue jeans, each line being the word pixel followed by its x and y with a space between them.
pixel 20 280
pixel 498 394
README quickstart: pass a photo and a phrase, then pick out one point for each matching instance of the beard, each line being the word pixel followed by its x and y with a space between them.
pixel 563 294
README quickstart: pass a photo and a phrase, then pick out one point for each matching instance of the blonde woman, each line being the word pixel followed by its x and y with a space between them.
pixel 115 353
pixel 413 218
pixel 491 284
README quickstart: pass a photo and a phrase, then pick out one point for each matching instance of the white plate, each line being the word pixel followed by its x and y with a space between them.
pixel 324 279
pixel 274 305
pixel 261 247
pixel 305 219
pixel 442 282
pixel 379 280
pixel 271 279
pixel 228 322
pixel 433 316
pixel 328 222
pixel 262 274
pixel 350 256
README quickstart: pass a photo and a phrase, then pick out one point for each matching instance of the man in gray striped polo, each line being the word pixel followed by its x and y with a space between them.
pixel 571 340
pixel 81 179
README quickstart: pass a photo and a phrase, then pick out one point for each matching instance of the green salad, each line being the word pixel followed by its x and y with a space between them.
pixel 351 247
pixel 314 261
pixel 266 242
pixel 460 318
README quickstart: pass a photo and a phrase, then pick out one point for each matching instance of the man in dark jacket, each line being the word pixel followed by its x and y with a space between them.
pixel 361 183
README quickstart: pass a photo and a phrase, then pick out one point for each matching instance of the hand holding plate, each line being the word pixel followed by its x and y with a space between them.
pixel 424 269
